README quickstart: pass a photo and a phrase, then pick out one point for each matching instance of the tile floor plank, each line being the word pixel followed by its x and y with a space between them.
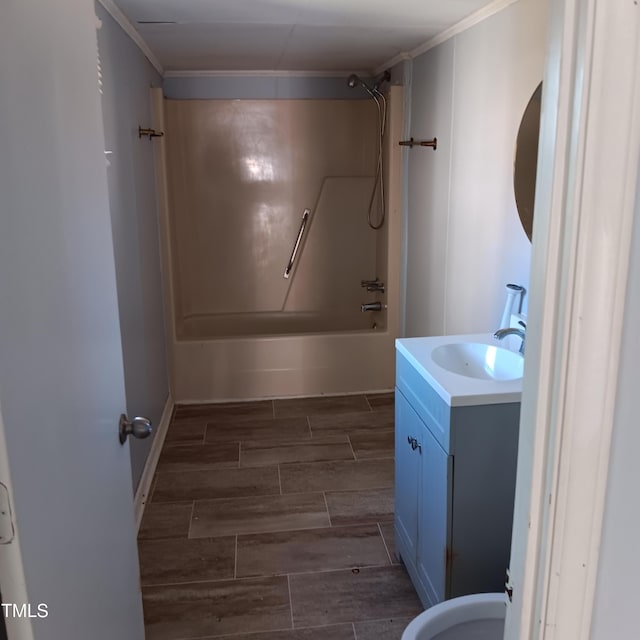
pixel 358 507
pixel 336 475
pixel 389 537
pixel 185 433
pixel 351 423
pixel 320 405
pixel 165 520
pixel 226 410
pixel 374 444
pixel 381 400
pixel 203 609
pixel 215 483
pixel 174 560
pixel 310 550
pixel 347 596
pixel 260 453
pixel 191 457
pixel 332 632
pixel 389 629
pixel 257 514
pixel 275 429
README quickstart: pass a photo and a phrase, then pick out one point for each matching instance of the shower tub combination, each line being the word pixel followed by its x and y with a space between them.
pixel 267 245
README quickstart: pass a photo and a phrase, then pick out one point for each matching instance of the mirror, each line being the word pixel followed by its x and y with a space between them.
pixel 524 171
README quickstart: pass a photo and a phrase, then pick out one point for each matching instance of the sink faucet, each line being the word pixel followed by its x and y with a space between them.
pixel 500 334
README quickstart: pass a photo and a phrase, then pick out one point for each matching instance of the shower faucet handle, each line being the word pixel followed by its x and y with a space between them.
pixel 376 286
pixel 370 283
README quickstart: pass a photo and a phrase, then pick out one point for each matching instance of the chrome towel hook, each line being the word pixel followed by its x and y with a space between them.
pixel 419 143
pixel 152 133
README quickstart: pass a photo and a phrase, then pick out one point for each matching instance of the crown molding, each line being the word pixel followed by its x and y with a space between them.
pixel 401 57
pixel 470 21
pixel 116 13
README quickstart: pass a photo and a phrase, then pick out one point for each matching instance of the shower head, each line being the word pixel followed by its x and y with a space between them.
pixel 354 80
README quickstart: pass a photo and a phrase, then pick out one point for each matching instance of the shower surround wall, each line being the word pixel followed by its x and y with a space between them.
pixel 239 175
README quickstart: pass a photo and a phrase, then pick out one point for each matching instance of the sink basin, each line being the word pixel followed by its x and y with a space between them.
pixel 477 360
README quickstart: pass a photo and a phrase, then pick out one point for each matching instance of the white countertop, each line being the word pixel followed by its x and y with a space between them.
pixel 455 389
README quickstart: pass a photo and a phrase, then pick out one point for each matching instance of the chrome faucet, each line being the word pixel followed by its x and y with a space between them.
pixel 371 306
pixel 500 334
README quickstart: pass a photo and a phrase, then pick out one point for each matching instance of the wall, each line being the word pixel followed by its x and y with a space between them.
pixel 206 370
pixel 127 78
pixel 240 174
pixel 463 236
pixel 261 87
pixel 615 610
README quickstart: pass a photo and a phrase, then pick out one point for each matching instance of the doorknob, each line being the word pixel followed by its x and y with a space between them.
pixel 138 428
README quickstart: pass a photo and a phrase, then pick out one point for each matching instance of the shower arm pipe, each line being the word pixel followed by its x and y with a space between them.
pixel 305 218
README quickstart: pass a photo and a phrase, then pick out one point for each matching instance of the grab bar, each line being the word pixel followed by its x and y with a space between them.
pixel 292 259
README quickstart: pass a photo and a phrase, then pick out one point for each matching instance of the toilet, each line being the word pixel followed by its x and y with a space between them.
pixel 476 617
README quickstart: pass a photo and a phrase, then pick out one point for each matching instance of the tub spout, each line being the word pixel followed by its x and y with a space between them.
pixel 371 306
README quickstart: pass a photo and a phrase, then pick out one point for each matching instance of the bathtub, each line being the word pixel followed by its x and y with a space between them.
pixel 241 356
pixel 275 323
pixel 237 328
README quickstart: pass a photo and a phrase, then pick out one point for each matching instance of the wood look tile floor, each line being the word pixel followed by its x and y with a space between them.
pixel 273 520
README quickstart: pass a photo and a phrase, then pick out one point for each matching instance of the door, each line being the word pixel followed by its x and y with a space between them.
pixel 73 546
pixel 435 516
pixel 407 470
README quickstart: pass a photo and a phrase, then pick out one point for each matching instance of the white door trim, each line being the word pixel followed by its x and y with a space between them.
pixel 588 168
pixel 13 585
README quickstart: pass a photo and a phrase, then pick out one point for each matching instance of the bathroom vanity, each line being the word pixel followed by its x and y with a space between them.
pixel 456 440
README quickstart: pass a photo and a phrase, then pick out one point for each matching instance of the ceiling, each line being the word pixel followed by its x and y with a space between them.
pixel 289 35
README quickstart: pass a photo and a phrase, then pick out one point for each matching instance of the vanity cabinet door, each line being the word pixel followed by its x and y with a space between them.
pixel 434 524
pixel 408 429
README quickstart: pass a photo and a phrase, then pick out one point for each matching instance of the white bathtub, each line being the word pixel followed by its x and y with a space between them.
pixel 255 339
pixel 278 355
pixel 276 323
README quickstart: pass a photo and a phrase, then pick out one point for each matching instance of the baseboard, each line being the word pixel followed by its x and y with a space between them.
pixel 144 486
pixel 197 401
